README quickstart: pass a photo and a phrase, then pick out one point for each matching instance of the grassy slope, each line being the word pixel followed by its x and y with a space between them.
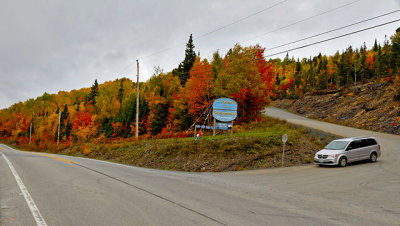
pixel 253 146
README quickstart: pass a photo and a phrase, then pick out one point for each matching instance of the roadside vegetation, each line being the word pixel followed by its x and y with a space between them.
pixel 172 102
pixel 99 121
pixel 253 145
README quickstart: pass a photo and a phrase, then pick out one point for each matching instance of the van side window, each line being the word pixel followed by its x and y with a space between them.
pixel 351 146
pixel 357 144
pixel 371 142
pixel 365 143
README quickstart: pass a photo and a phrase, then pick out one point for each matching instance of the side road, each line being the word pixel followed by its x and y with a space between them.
pixel 77 191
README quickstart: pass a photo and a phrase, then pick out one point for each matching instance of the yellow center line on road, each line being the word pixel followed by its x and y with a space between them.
pixel 50 156
pixel 55 157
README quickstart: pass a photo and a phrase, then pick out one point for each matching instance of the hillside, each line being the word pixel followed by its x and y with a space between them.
pixel 171 103
pixel 254 145
pixel 372 106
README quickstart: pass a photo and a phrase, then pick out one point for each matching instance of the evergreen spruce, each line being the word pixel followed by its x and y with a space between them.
pixel 94 92
pixel 121 92
pixel 375 48
pixel 395 56
pixel 65 124
pixel 183 70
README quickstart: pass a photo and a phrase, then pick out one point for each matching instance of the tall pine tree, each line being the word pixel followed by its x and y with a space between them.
pixel 94 92
pixel 395 56
pixel 121 92
pixel 183 70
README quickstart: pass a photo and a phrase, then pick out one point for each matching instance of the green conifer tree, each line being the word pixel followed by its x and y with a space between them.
pixel 91 97
pixel 183 71
pixel 395 55
pixel 121 92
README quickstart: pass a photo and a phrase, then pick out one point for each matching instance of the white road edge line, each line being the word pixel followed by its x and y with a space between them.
pixel 32 206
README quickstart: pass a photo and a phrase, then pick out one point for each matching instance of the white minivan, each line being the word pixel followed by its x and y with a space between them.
pixel 343 151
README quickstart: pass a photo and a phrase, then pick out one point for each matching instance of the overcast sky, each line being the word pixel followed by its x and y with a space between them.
pixel 53 45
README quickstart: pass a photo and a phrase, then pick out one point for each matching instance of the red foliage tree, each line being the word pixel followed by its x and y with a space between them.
pixel 253 99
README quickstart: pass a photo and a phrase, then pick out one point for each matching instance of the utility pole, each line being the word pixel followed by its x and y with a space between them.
pixel 137 102
pixel 59 121
pixel 30 132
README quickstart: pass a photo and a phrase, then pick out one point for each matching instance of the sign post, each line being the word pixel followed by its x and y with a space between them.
pixel 284 139
pixel 214 127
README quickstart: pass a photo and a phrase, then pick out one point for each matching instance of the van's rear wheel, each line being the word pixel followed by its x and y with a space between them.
pixel 342 162
pixel 373 157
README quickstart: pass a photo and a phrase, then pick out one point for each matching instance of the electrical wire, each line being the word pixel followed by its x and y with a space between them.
pixel 242 19
pixel 262 35
pixel 300 21
pixel 330 31
pixel 304 46
pixel 333 38
pixel 218 29
pixel 208 33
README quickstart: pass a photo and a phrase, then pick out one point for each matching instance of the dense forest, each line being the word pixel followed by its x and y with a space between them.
pixel 170 102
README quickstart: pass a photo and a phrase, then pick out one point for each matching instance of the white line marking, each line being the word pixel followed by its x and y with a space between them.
pixel 32 206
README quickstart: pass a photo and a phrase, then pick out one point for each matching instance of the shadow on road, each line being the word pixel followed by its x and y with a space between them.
pixel 353 164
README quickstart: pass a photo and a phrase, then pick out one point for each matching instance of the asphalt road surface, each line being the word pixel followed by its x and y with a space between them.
pixel 38 189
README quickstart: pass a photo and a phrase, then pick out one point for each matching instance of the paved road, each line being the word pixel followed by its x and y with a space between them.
pixel 90 192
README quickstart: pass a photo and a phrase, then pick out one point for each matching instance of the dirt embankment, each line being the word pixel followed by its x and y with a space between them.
pixel 369 106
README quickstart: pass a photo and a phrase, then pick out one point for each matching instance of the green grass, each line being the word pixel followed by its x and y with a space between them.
pixel 252 146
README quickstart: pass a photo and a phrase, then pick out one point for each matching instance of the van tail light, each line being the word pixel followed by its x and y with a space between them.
pixel 379 147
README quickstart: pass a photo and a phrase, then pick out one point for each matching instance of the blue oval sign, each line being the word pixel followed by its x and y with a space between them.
pixel 225 109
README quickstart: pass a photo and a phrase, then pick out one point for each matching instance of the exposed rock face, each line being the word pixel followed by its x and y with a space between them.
pixel 370 106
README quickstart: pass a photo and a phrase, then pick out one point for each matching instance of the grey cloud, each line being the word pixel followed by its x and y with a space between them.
pixel 46 46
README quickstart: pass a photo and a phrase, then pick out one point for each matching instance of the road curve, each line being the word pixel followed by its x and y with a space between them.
pixel 77 191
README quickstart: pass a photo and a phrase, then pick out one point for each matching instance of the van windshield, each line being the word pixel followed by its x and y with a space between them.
pixel 336 145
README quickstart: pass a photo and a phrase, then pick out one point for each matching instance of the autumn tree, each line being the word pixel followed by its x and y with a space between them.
pixel 127 117
pixel 247 78
pixel 196 96
pixel 162 89
pixel 83 124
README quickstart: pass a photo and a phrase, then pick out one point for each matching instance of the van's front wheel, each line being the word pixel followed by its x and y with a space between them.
pixel 342 162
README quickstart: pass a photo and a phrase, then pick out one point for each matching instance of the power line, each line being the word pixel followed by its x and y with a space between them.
pixel 304 46
pixel 300 21
pixel 251 15
pixel 240 20
pixel 336 29
pixel 218 29
pixel 209 32
pixel 336 37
